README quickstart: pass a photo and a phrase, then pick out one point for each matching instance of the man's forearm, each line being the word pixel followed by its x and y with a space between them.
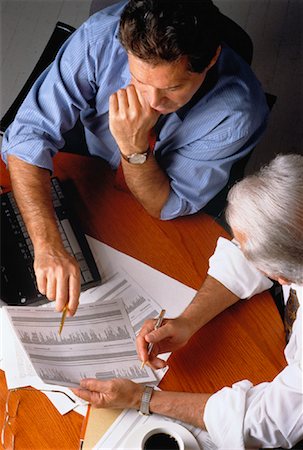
pixel 148 183
pixel 57 272
pixel 123 393
pixel 211 299
pixel 31 188
pixel 184 406
pixel 131 120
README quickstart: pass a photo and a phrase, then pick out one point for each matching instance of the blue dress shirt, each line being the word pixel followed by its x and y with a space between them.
pixel 196 145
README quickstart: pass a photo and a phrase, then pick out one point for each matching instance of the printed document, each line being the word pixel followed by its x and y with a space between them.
pixel 98 342
pixel 123 277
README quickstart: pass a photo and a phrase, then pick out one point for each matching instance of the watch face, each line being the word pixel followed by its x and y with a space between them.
pixel 137 158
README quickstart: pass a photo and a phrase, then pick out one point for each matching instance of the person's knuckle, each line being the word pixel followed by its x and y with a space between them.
pixel 59 271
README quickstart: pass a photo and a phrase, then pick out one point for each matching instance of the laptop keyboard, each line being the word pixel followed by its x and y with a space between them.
pixel 73 239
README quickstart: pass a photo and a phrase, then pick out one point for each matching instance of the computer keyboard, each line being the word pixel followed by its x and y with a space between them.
pixel 18 281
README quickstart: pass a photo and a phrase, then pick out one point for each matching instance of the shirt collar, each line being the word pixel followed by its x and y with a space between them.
pixel 207 85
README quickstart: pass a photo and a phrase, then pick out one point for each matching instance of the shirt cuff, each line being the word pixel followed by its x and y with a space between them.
pixel 175 207
pixel 229 266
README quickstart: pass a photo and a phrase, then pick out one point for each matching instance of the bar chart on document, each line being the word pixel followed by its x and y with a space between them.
pixel 139 305
pixel 98 342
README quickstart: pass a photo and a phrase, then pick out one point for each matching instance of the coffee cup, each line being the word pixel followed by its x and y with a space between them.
pixel 161 438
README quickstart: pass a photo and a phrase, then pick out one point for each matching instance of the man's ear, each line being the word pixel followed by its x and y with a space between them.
pixel 282 281
pixel 214 58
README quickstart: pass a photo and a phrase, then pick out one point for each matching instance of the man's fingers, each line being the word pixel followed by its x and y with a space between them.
pixel 58 278
pixel 41 282
pixel 51 287
pixel 62 293
pixel 113 103
pixel 148 326
pixel 74 293
pixel 122 97
pixel 92 384
pixel 141 342
pixel 91 397
pixel 133 98
pixel 82 393
pixel 156 363
pixel 156 336
pixel 149 335
pixel 141 348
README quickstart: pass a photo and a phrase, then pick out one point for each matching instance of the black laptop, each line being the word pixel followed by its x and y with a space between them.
pixel 18 281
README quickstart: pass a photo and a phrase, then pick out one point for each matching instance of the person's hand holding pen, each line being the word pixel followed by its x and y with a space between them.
pixel 158 324
pixel 170 336
pixel 58 277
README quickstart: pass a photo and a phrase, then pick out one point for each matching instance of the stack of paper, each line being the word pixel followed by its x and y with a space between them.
pixel 98 342
pixel 139 303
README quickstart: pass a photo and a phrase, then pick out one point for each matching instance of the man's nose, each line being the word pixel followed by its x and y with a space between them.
pixel 154 97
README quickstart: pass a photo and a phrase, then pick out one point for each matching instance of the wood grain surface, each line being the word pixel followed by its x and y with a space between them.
pixel 246 341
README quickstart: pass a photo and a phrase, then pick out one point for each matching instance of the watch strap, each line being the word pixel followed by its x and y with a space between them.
pixel 128 157
pixel 120 180
pixel 145 400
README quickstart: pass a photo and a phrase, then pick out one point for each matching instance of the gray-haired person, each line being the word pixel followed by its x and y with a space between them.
pixel 265 212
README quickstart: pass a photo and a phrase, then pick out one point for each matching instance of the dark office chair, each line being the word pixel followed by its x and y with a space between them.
pixel 236 38
pixel 74 139
pixel 61 32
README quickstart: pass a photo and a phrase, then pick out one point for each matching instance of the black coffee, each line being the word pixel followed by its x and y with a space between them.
pixel 161 441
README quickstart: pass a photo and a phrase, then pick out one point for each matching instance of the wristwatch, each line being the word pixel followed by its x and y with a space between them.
pixel 136 158
pixel 147 394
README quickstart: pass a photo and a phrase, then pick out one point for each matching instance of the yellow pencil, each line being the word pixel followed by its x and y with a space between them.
pixel 64 312
pixel 83 427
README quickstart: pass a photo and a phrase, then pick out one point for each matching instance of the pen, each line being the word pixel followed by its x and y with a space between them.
pixel 83 427
pixel 157 325
pixel 64 312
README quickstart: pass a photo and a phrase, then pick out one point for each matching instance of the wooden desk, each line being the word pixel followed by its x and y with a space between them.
pixel 245 341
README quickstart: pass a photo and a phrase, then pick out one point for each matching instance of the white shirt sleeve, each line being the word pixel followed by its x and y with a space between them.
pixel 229 266
pixel 269 414
pixel 266 415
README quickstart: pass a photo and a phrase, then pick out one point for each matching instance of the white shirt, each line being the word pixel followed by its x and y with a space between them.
pixel 269 414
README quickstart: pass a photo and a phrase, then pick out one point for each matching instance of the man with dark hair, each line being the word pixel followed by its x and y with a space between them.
pixel 132 68
pixel 155 32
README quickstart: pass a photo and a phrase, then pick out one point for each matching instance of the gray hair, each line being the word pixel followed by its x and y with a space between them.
pixel 267 208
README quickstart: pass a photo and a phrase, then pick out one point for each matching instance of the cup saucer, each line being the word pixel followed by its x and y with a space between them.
pixel 133 441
